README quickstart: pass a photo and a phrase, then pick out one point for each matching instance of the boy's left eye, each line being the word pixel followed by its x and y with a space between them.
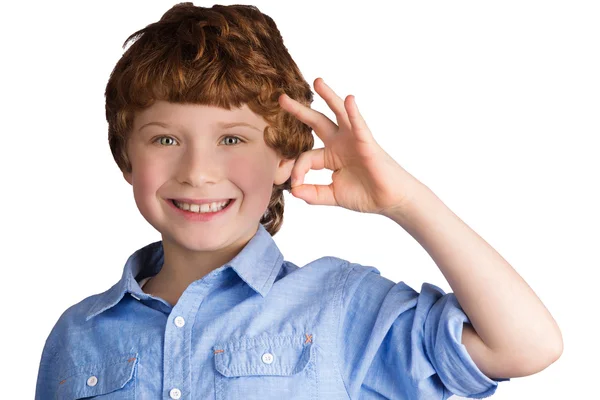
pixel 233 137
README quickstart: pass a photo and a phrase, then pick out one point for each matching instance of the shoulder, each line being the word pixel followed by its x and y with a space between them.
pixel 330 264
pixel 338 273
pixel 70 338
pixel 73 319
pixel 327 266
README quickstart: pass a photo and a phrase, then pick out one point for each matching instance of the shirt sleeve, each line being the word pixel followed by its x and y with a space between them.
pixel 400 344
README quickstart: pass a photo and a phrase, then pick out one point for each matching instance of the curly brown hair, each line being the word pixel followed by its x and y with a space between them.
pixel 223 56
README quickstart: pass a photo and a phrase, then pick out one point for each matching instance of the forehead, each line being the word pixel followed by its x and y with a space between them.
pixel 196 115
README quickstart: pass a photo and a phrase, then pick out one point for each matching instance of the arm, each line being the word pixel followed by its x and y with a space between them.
pixel 512 333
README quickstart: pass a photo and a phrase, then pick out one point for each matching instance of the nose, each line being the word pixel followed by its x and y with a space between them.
pixel 199 166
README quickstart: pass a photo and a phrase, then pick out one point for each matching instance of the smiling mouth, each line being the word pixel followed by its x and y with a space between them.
pixel 205 208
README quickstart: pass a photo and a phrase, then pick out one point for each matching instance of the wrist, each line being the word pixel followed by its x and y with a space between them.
pixel 417 198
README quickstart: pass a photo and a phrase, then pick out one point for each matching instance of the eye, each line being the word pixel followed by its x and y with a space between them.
pixel 233 137
pixel 163 137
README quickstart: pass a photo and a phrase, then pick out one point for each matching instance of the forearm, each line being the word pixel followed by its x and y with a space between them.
pixel 503 309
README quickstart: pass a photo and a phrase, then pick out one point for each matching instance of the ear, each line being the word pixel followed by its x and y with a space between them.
pixel 127 176
pixel 284 170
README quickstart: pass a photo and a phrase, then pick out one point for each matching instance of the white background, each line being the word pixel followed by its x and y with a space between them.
pixel 493 105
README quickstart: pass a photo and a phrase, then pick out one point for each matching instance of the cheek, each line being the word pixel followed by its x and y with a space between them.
pixel 148 176
pixel 253 175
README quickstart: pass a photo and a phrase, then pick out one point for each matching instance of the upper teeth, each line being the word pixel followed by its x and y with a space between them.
pixel 208 207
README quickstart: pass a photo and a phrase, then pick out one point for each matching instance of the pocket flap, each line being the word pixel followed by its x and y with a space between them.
pixel 274 355
pixel 94 379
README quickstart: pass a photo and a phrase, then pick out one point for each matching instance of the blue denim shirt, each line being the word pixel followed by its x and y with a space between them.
pixel 260 327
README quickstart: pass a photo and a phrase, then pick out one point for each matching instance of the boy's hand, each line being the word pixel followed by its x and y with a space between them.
pixel 365 178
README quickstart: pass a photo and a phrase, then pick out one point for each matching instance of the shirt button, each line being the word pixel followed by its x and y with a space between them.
pixel 179 321
pixel 175 393
pixel 92 380
pixel 267 358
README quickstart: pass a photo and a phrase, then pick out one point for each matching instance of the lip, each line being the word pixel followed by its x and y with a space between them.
pixel 203 201
pixel 200 217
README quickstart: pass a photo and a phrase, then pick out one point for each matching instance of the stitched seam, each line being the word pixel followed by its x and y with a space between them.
pixel 49 357
pixel 135 381
pixel 83 372
pixel 339 296
pixel 254 342
pixel 282 370
pixel 316 371
pixel 72 371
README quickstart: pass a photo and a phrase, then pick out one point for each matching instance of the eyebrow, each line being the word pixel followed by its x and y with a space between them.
pixel 219 124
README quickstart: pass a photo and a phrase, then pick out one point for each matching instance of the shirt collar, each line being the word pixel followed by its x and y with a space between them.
pixel 258 264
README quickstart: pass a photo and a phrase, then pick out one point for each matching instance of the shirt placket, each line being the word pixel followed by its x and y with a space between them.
pixel 178 341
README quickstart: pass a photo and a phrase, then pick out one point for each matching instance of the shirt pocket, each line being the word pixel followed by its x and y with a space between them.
pixel 108 379
pixel 267 367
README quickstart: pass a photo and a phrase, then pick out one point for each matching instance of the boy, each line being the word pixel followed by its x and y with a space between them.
pixel 209 121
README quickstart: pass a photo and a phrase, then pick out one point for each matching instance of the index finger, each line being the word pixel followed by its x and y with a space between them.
pixel 323 127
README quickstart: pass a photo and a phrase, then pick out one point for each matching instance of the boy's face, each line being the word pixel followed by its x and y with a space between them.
pixel 199 159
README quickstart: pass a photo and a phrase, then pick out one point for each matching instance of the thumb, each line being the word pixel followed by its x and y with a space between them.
pixel 315 194
pixel 299 191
